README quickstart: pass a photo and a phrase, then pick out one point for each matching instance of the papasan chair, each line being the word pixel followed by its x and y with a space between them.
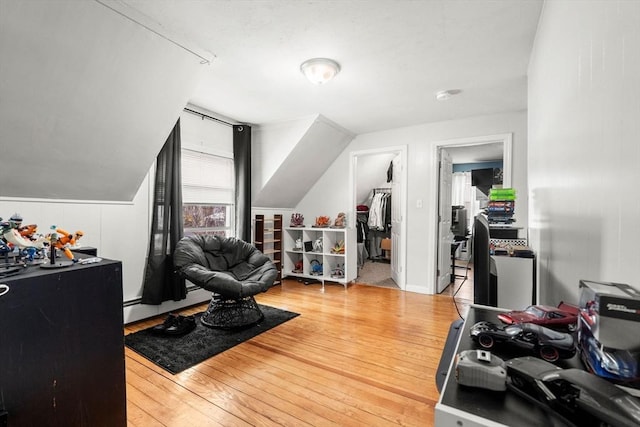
pixel 233 270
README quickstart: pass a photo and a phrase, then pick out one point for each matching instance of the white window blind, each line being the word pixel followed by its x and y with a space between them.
pixel 206 178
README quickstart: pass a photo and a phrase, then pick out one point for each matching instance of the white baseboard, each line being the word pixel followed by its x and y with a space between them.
pixel 418 289
pixel 135 312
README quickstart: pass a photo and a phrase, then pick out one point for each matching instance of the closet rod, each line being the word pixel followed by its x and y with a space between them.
pixel 197 113
pixel 382 189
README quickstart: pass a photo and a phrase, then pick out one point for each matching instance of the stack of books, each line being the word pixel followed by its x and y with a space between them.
pixel 502 203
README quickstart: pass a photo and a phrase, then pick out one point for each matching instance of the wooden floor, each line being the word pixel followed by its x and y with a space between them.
pixel 364 356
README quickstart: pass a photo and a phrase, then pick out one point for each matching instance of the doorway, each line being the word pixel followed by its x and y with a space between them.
pixel 377 175
pixel 459 149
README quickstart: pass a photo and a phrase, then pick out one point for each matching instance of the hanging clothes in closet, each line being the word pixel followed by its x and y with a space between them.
pixel 379 221
pixel 362 229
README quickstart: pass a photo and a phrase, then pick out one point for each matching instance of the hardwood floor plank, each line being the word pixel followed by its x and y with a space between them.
pixel 167 406
pixel 217 395
pixel 170 388
pixel 136 417
pixel 313 408
pixel 364 355
pixel 381 403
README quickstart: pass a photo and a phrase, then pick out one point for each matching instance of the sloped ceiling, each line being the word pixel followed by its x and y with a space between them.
pixel 88 95
pixel 87 99
pixel 371 173
pixel 302 167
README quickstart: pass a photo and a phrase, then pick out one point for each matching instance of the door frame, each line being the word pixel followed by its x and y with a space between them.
pixel 507 147
pixel 353 167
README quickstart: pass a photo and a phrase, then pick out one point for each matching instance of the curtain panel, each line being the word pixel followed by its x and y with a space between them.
pixel 242 164
pixel 161 282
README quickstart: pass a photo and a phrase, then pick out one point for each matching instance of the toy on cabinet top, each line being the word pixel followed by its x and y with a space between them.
pixel 619 366
pixel 546 343
pixel 297 220
pixel 17 235
pixel 63 240
pixel 480 368
pixel 582 398
pixel 341 221
pixel 30 245
pixel 564 316
pixel 322 221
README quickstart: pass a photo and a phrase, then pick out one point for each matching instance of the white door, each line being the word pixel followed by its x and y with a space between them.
pixel 445 236
pixel 396 220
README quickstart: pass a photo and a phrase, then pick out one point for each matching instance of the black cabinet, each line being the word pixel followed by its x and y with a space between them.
pixel 62 347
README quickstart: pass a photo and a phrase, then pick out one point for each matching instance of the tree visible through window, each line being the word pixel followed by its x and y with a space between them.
pixel 206 219
pixel 207 193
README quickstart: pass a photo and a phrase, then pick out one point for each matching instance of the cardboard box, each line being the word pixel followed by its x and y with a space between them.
pixel 385 245
pixel 612 312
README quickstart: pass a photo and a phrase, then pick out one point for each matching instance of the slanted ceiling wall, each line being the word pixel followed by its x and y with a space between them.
pixel 290 157
pixel 87 99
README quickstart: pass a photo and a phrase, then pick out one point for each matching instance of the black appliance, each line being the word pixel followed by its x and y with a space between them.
pixel 459 221
pixel 485 277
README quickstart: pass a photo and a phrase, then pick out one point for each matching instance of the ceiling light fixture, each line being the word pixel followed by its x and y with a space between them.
pixel 320 70
pixel 444 95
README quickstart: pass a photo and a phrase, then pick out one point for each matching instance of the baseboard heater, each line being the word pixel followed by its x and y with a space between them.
pixel 137 301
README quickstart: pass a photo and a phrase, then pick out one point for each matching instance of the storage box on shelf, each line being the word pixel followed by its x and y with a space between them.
pixel 501 205
pixel 324 254
pixel 268 239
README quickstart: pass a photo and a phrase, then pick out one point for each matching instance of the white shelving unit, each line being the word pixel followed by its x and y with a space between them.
pixel 311 255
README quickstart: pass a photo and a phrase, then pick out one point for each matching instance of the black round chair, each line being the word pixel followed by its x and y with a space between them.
pixel 233 270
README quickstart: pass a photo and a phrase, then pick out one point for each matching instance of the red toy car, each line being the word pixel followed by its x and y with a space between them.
pixel 564 316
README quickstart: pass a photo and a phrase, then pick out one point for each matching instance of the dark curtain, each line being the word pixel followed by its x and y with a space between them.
pixel 242 163
pixel 161 283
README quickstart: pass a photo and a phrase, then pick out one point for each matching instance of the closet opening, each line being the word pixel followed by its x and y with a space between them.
pixel 378 197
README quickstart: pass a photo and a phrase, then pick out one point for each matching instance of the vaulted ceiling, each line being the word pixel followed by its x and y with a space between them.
pixel 89 90
pixel 395 56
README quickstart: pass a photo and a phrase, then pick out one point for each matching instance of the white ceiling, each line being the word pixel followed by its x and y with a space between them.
pixel 395 55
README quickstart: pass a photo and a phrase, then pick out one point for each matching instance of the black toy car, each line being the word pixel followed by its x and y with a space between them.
pixel 548 344
pixel 581 398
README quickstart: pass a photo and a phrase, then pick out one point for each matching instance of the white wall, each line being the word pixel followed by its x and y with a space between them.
pixel 86 96
pixel 271 144
pixel 330 194
pixel 584 127
pixel 295 164
pixel 371 173
pixel 119 231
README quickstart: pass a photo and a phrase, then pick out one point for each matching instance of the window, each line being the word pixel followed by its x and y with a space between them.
pixel 207 194
pixel 208 180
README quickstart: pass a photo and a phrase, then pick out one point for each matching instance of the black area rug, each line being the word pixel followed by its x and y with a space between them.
pixel 175 354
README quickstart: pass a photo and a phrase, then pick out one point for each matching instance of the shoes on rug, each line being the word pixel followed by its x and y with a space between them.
pixel 175 325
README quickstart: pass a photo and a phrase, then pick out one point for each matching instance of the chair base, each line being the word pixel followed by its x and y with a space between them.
pixel 231 313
